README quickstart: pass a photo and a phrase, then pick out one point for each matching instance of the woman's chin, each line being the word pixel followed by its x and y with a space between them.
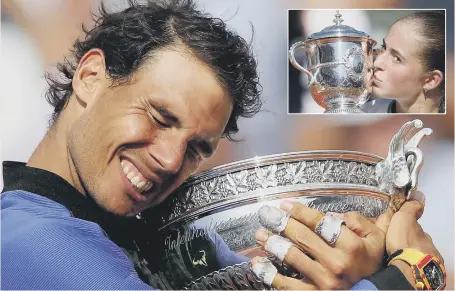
pixel 379 92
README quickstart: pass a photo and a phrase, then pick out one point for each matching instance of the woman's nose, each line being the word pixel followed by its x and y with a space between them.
pixel 378 56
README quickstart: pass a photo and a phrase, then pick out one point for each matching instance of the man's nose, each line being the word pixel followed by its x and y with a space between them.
pixel 170 154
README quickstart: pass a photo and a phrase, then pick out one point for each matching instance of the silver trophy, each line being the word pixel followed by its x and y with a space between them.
pixel 225 201
pixel 339 66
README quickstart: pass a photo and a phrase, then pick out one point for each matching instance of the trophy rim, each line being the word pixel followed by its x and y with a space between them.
pixel 260 161
pixel 290 192
pixel 340 38
pixel 189 206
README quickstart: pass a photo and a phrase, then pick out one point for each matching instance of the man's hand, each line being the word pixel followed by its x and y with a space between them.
pixel 405 232
pixel 357 253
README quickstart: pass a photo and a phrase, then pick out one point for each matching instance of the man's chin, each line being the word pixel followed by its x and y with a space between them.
pixel 131 208
pixel 126 213
pixel 121 211
pixel 130 214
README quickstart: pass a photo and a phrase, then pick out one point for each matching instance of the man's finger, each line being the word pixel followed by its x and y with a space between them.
pixel 268 273
pixel 412 207
pixel 357 223
pixel 285 251
pixel 296 230
pixel 420 197
pixel 304 214
pixel 358 231
pixel 305 238
pixel 309 268
pixel 383 221
pixel 308 241
pixel 286 283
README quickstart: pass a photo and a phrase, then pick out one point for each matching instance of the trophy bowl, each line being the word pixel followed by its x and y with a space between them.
pixel 222 205
pixel 339 66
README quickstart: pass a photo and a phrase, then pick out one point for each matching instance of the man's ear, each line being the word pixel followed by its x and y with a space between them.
pixel 433 79
pixel 90 77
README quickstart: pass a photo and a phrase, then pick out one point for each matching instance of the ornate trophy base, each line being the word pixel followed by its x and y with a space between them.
pixel 344 110
pixel 342 104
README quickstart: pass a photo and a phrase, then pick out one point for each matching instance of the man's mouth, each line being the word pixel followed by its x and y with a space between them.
pixel 136 178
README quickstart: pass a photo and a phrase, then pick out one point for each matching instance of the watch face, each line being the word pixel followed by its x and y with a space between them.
pixel 434 274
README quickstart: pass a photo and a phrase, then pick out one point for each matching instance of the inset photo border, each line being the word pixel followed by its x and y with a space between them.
pixel 375 61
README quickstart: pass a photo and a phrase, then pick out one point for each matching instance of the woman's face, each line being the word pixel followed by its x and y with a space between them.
pixel 398 71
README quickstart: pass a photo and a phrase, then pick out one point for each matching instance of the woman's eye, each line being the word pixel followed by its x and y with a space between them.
pixel 396 59
pixel 383 47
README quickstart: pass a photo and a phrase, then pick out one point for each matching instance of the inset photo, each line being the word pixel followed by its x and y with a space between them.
pixel 366 61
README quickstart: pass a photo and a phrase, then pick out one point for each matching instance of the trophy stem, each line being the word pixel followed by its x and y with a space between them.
pixel 341 103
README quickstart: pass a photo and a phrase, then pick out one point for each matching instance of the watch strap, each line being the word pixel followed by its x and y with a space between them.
pixel 417 260
pixel 412 257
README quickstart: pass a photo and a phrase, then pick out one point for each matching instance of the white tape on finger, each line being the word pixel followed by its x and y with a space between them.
pixel 264 269
pixel 273 219
pixel 278 246
pixel 329 228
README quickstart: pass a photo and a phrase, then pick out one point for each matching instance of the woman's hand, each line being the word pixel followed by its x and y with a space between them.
pixel 358 252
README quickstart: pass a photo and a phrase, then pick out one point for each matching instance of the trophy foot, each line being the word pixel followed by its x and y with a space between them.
pixel 341 103
pixel 346 110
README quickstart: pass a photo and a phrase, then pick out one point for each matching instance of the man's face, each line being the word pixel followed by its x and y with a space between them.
pixel 134 144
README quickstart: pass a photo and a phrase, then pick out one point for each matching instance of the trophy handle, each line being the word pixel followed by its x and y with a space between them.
pixel 417 162
pixel 303 45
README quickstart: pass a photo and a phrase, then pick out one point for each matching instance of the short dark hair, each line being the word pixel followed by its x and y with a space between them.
pixel 430 25
pixel 129 37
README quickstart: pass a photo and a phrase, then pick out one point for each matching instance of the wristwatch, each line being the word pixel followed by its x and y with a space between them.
pixel 429 271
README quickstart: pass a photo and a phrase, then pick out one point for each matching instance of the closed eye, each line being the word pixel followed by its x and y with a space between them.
pixel 194 154
pixel 201 148
pixel 396 59
pixel 160 123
